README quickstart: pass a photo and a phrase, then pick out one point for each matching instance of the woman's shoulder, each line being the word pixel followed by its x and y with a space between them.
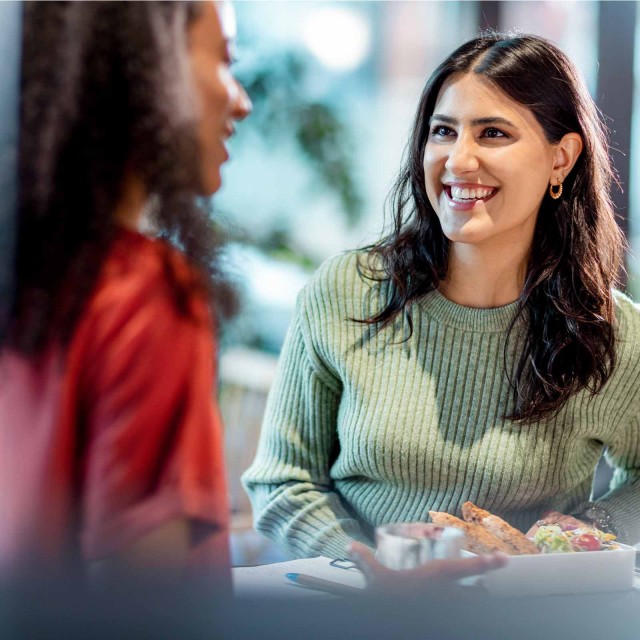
pixel 344 271
pixel 343 280
pixel 626 376
pixel 143 272
pixel 133 255
pixel 628 334
pixel 627 313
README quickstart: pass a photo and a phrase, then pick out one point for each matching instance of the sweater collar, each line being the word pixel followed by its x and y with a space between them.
pixel 454 315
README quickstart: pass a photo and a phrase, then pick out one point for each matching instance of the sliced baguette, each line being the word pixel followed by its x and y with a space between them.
pixel 471 513
pixel 478 539
pixel 518 542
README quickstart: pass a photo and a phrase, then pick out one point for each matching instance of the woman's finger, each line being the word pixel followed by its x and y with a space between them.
pixel 555 517
pixel 366 561
pixel 426 576
pixel 441 570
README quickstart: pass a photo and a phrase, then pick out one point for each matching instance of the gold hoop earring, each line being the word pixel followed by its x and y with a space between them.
pixel 555 194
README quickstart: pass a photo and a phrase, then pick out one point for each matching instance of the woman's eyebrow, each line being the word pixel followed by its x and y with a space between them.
pixel 493 120
pixel 443 118
pixel 476 122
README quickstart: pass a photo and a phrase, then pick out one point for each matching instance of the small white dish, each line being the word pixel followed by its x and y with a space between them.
pixel 563 573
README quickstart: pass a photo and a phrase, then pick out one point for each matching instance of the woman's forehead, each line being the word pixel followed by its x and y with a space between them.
pixel 471 96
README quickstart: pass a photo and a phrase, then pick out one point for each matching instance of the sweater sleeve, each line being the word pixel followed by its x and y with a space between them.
pixel 622 501
pixel 294 499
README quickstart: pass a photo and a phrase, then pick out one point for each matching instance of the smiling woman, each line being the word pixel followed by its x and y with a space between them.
pixel 477 352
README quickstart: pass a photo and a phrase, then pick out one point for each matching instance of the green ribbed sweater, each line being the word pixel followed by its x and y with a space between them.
pixel 363 429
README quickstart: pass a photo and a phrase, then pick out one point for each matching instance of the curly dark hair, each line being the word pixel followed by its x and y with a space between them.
pixel 575 259
pixel 103 92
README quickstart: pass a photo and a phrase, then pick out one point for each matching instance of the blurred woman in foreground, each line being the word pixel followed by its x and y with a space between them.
pixel 110 445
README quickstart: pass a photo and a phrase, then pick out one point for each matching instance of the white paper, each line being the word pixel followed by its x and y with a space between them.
pixel 271 580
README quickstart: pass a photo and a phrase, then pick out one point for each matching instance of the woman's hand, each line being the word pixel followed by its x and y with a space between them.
pixel 432 576
pixel 555 517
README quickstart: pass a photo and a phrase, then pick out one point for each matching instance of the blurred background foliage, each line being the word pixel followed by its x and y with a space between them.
pixel 277 82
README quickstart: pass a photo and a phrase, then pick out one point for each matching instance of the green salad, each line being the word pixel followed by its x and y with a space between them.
pixel 552 538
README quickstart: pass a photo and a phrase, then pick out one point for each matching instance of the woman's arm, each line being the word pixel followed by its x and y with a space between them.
pixel 618 511
pixel 622 502
pixel 293 495
pixel 153 487
pixel 620 506
pixel 164 550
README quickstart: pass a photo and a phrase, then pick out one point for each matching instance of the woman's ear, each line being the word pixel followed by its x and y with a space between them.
pixel 566 154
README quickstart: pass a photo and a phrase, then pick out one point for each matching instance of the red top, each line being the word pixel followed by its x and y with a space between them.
pixel 103 443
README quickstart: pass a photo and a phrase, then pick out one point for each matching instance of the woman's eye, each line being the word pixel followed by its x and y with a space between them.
pixel 440 131
pixel 494 133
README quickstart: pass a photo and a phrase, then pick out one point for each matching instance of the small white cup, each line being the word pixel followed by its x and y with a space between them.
pixel 407 545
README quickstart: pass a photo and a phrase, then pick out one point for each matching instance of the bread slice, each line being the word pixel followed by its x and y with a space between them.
pixel 471 513
pixel 519 543
pixel 477 538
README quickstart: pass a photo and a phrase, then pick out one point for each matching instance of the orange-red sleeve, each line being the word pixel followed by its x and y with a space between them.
pixel 153 449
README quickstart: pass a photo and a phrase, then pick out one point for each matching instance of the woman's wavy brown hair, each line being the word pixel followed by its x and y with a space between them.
pixel 105 89
pixel 575 260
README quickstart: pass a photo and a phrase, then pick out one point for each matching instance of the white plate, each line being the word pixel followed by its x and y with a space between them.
pixel 563 573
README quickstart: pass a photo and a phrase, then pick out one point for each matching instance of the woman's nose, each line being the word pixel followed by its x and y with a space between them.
pixel 463 157
pixel 242 103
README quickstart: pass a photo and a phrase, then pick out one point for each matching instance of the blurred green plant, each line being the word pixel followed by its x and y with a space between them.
pixel 277 82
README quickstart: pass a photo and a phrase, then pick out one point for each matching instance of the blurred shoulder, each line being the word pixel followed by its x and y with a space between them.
pixel 140 272
pixel 134 256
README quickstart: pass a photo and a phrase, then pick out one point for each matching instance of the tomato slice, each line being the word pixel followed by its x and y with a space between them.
pixel 586 542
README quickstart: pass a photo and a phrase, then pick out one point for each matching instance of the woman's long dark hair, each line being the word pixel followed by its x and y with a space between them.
pixel 576 254
pixel 105 89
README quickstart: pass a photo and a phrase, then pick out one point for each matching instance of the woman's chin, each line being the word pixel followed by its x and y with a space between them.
pixel 465 235
pixel 210 184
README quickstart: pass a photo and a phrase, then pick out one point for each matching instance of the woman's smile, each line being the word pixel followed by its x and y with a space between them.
pixel 465 196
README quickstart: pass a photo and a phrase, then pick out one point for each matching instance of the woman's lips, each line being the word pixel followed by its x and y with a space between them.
pixel 225 151
pixel 465 198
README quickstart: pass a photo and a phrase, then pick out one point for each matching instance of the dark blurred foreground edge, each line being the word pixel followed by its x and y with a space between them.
pixel 156 610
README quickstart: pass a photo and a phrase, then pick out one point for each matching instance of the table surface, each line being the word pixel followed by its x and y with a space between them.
pixel 610 616
pixel 59 612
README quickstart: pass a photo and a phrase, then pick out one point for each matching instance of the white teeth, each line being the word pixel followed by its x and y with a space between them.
pixel 470 194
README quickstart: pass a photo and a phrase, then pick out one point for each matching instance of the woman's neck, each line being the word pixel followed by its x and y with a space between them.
pixel 130 208
pixel 484 277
